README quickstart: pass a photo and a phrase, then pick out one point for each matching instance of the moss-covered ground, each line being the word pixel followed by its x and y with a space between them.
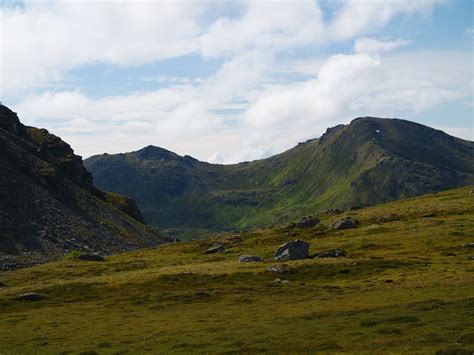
pixel 405 286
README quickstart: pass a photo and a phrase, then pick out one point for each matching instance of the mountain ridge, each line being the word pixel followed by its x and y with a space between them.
pixel 371 160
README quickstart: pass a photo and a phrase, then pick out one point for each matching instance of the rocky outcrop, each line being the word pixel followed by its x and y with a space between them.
pixel 49 206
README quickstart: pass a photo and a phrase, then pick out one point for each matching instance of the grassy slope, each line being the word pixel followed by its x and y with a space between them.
pixel 175 299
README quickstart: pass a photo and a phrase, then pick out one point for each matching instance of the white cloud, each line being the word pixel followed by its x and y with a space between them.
pixel 276 117
pixel 44 39
pixel 357 17
pixel 265 25
pixel 369 45
pixel 470 32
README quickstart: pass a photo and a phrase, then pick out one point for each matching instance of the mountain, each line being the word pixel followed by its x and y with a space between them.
pixel 49 206
pixel 369 161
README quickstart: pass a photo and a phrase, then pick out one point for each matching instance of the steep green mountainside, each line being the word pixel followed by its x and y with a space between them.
pixel 405 286
pixel 48 205
pixel 370 161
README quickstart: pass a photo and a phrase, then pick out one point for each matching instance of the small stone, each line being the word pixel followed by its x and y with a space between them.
pixel 218 248
pixel 249 258
pixel 471 257
pixel 333 253
pixel 468 245
pixel 279 269
pixel 31 296
pixel 282 282
pixel 447 253
pixel 307 222
pixel 346 223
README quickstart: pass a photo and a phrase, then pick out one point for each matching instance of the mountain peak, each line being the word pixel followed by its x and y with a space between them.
pixel 152 152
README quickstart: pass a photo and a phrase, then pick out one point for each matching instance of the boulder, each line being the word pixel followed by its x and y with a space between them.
pixel 468 245
pixel 218 248
pixel 90 257
pixel 307 222
pixel 249 258
pixel 332 253
pixel 346 223
pixel 295 250
pixel 31 296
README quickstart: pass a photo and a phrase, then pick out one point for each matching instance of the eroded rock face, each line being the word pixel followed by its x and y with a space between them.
pixel 295 250
pixel 346 223
pixel 249 258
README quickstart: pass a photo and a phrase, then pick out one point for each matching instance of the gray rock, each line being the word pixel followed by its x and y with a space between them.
pixel 31 296
pixel 468 245
pixel 307 222
pixel 90 257
pixel 471 257
pixel 295 250
pixel 218 248
pixel 333 253
pixel 249 258
pixel 279 269
pixel 283 282
pixel 346 223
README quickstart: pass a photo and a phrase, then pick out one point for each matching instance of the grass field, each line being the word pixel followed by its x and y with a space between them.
pixel 406 285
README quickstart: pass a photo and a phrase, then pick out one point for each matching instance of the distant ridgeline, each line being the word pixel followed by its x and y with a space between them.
pixel 49 206
pixel 371 160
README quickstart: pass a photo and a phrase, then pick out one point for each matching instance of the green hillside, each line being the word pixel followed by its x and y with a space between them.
pixel 369 161
pixel 406 285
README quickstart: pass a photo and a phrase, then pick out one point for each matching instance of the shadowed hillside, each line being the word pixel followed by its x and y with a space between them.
pixel 48 205
pixel 369 161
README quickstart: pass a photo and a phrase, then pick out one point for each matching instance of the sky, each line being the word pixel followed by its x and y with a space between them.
pixel 230 81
